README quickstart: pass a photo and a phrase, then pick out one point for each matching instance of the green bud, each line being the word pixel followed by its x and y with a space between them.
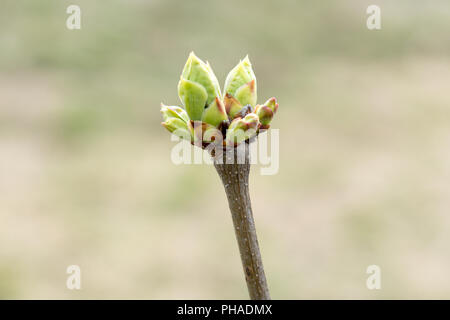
pixel 242 129
pixel 174 112
pixel 240 75
pixel 201 73
pixel 215 113
pixel 272 104
pixel 205 132
pixel 206 116
pixel 179 127
pixel 246 94
pixel 193 96
pixel 251 120
pixel 237 124
pixel 236 132
pixel 232 106
pixel 264 113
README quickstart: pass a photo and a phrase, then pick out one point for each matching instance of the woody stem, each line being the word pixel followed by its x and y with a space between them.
pixel 234 177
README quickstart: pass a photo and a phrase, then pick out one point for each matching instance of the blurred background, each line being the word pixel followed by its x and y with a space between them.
pixel 86 177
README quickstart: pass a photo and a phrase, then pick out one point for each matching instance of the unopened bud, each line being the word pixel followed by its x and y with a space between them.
pixel 242 129
pixel 174 112
pixel 239 76
pixel 200 72
pixel 193 96
pixel 198 87
pixel 215 113
pixel 264 114
pixel 267 111
pixel 179 128
pixel 232 106
pixel 246 94
pixel 272 104
pixel 205 132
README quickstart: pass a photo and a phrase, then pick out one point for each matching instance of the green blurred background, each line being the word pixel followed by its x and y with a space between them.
pixel 85 170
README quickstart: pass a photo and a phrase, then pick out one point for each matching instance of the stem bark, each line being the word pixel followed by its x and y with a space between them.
pixel 234 176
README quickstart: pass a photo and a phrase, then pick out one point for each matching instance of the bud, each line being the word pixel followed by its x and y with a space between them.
pixel 205 132
pixel 242 81
pixel 272 104
pixel 179 128
pixel 194 97
pixel 246 94
pixel 199 72
pixel 199 91
pixel 215 113
pixel 242 129
pixel 232 106
pixel 264 114
pixel 251 120
pixel 236 132
pixel 174 112
pixel 205 116
pixel 266 111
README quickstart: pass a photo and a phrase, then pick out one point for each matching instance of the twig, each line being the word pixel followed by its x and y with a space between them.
pixel 235 180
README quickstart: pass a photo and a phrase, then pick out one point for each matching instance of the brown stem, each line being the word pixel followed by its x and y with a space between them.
pixel 234 177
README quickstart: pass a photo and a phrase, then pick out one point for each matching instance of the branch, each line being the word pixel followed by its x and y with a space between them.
pixel 235 180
